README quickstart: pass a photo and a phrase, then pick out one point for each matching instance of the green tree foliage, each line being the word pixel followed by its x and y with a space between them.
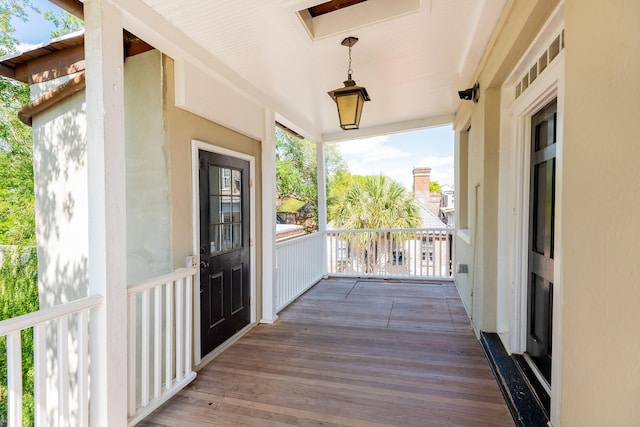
pixel 18 272
pixel 11 9
pixel 17 218
pixel 65 22
pixel 375 201
pixel 17 224
pixel 296 172
pixel 434 187
pixel 18 295
pixel 296 169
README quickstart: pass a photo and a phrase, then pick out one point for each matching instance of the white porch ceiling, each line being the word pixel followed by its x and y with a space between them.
pixel 412 65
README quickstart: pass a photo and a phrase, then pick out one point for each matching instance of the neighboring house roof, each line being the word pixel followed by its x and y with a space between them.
pixel 429 219
pixel 15 65
pixel 68 59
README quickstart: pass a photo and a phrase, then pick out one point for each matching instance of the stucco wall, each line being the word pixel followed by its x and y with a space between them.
pixel 61 200
pixel 149 251
pixel 182 128
pixel 600 226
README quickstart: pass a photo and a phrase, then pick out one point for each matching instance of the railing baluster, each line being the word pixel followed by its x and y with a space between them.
pixel 63 371
pixel 14 378
pixel 157 342
pixel 188 324
pixel 144 348
pixel 169 336
pixel 40 374
pixel 83 368
pixel 179 331
pixel 440 253
pixel 132 350
pixel 417 250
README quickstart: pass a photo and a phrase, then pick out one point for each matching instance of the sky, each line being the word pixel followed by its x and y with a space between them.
pixel 37 30
pixel 392 155
pixel 396 155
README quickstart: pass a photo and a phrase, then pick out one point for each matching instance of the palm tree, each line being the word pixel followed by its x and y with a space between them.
pixel 375 202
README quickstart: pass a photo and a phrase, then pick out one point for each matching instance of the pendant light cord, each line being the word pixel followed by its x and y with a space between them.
pixel 349 71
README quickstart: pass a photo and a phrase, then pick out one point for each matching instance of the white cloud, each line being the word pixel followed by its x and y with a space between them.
pixel 371 150
pixel 377 155
pixel 403 175
pixel 442 169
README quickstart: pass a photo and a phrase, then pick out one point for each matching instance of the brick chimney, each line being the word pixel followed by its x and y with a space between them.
pixel 421 181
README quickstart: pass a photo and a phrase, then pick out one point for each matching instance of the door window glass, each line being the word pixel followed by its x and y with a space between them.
pixel 225 207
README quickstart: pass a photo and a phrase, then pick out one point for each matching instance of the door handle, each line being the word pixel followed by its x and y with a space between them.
pixel 204 265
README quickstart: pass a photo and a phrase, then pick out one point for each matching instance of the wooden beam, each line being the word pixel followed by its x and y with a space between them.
pixel 74 7
pixel 134 45
pixel 7 72
pixel 56 65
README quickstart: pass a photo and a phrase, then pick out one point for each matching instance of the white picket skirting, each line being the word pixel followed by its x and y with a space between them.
pixel 421 253
pixel 160 350
pixel 72 349
pixel 299 265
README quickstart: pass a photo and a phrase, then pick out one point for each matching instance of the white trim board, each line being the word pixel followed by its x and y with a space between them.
pixel 197 145
pixel 514 184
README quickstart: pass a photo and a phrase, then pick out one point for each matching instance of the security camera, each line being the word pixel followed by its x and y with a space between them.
pixel 471 94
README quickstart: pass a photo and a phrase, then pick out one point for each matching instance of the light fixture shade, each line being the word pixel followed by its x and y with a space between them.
pixel 349 100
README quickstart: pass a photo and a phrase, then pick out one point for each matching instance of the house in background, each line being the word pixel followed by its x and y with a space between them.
pixel 447 205
pixel 293 211
pixel 545 135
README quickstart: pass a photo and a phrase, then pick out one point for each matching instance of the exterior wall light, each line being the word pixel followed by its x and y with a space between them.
pixel 349 98
pixel 471 94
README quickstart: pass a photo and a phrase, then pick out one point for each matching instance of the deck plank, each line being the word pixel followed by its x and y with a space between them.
pixel 350 353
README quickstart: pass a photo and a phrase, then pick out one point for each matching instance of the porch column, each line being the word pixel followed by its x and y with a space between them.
pixel 107 234
pixel 322 199
pixel 269 219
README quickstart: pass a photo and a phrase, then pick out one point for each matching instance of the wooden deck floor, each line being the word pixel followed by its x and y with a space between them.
pixel 350 353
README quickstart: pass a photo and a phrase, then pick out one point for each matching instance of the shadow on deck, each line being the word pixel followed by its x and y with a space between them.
pixel 350 353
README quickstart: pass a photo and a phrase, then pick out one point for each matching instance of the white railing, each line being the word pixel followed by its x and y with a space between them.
pixel 418 252
pixel 160 340
pixel 299 265
pixel 61 363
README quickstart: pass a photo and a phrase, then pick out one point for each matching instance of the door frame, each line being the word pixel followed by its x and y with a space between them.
pixel 197 145
pixel 516 147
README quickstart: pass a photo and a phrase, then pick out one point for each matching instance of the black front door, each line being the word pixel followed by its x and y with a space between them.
pixel 541 237
pixel 224 248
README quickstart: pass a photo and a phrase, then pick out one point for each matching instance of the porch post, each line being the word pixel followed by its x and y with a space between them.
pixel 107 220
pixel 322 199
pixel 269 219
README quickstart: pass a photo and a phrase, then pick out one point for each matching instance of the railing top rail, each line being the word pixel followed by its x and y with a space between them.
pixel 29 320
pixel 160 280
pixel 391 230
pixel 299 239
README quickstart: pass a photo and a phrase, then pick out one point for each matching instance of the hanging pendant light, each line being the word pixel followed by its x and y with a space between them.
pixel 351 97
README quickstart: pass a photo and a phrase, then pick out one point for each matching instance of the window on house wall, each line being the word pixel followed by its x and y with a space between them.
pixel 427 249
pixel 226 179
